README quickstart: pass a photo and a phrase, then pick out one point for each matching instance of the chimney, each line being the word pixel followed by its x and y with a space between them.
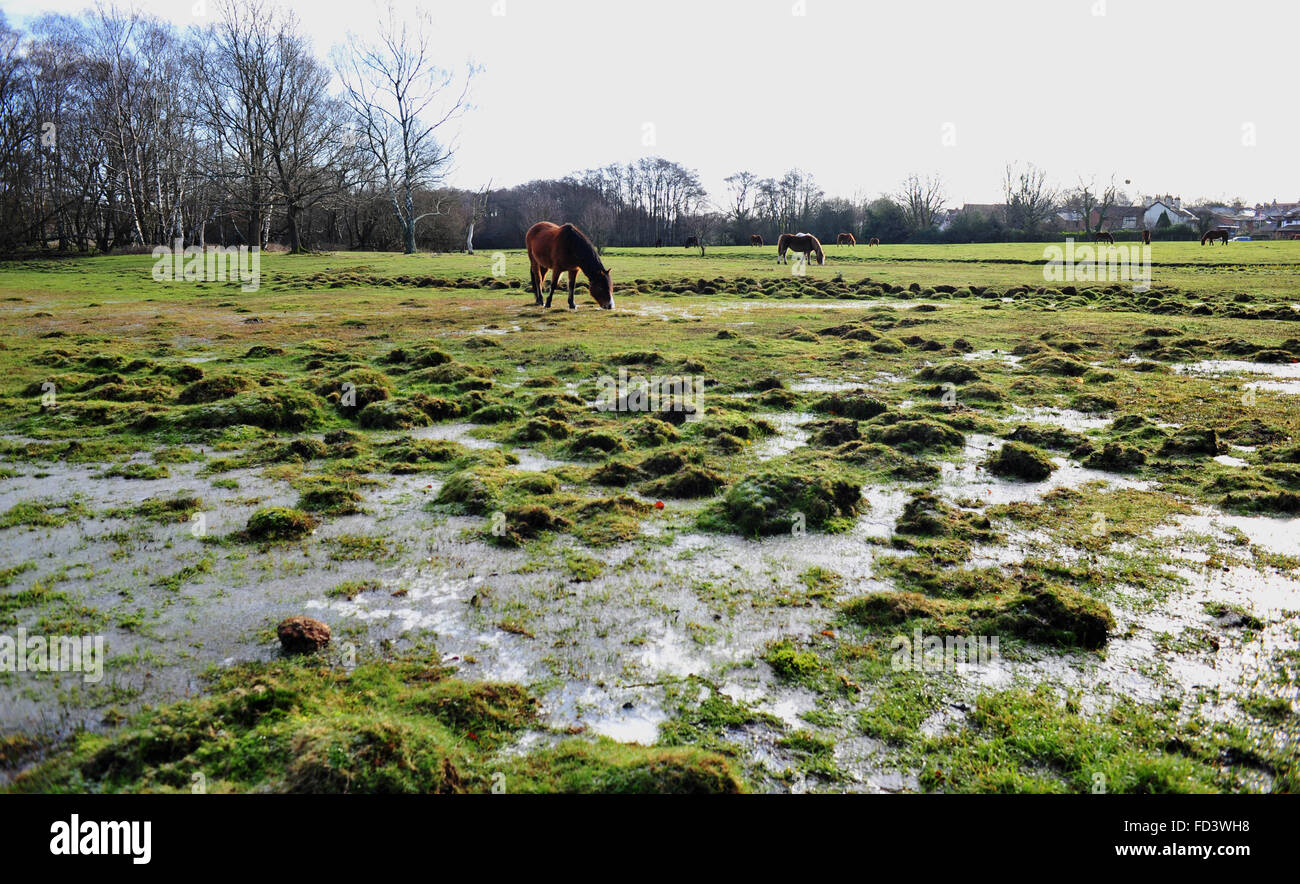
pixel 1178 202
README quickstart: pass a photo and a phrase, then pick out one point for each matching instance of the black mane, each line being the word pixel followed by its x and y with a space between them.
pixel 588 260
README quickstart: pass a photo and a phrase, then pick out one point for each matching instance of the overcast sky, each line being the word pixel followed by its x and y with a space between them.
pixel 1194 98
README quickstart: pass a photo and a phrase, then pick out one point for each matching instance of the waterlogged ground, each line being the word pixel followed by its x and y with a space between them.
pixel 530 593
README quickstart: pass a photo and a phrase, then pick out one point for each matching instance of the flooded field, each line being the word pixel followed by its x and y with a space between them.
pixel 1095 493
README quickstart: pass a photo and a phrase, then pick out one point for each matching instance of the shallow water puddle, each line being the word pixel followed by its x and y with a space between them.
pixel 459 432
pixel 967 480
pixel 1291 388
pixel 789 434
pixel 990 355
pixel 1066 418
pixel 1237 366
pixel 1229 461
pixel 822 385
pixel 1275 534
pixel 1282 377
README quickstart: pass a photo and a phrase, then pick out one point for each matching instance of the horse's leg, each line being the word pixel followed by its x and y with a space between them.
pixel 535 277
pixel 555 282
pixel 573 278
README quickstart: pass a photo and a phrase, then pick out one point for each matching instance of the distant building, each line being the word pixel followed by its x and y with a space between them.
pixel 1167 205
pixel 1069 219
pixel 1264 221
pixel 1274 220
pixel 1119 218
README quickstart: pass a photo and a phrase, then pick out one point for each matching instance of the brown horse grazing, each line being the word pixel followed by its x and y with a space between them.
pixel 845 239
pixel 1217 233
pixel 755 239
pixel 1295 236
pixel 1103 236
pixel 566 249
pixel 692 242
pixel 874 241
pixel 804 243
pixel 1146 237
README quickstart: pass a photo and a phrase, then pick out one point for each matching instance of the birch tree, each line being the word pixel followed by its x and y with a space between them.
pixel 401 101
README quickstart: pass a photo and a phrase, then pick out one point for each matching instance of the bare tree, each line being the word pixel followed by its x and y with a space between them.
pixel 596 218
pixel 741 187
pixel 1087 198
pixel 16 136
pixel 299 120
pixel 401 99
pixel 230 57
pixel 1029 200
pixel 921 200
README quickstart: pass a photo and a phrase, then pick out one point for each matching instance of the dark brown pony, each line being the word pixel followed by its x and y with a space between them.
pixel 1103 236
pixel 805 243
pixel 1146 237
pixel 692 242
pixel 566 249
pixel 845 239
pixel 1217 233
pixel 1295 236
pixel 659 244
pixel 874 241
pixel 755 239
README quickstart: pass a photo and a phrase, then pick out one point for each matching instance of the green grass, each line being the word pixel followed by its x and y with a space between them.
pixel 422 341
pixel 403 725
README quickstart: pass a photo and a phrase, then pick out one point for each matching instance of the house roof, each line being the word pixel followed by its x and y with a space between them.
pixel 1175 214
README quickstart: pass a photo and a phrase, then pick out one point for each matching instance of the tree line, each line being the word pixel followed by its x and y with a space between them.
pixel 118 131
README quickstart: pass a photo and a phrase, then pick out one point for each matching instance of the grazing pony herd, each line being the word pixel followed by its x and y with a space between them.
pixel 556 249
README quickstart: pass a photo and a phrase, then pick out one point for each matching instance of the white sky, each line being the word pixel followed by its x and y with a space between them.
pixel 1162 92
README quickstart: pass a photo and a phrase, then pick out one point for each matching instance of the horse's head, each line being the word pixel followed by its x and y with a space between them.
pixel 602 288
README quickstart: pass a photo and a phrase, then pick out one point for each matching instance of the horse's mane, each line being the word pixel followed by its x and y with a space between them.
pixel 583 250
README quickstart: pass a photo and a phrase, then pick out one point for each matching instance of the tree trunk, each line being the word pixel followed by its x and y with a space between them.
pixel 469 239
pixel 295 239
